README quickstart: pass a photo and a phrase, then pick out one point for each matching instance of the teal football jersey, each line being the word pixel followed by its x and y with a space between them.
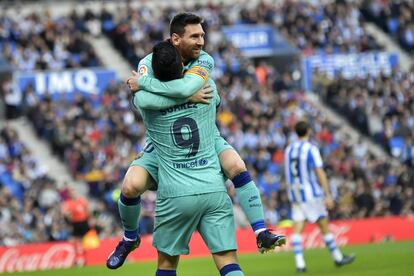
pixel 184 137
pixel 184 140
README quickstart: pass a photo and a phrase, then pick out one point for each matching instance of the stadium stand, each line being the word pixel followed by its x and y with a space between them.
pixel 335 27
pixel 41 42
pixel 30 206
pixel 380 107
pixel 312 27
pixel 394 17
pixel 29 202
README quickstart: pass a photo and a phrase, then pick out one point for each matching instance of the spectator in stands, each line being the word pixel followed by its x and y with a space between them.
pixel 364 200
pixel 11 97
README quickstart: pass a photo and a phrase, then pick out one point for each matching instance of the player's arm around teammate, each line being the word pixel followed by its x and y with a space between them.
pixel 137 180
pixel 187 35
pixel 187 203
pixel 142 175
pixel 248 194
pixel 249 197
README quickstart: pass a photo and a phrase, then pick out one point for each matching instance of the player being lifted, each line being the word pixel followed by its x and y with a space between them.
pixel 191 193
pixel 309 193
pixel 187 36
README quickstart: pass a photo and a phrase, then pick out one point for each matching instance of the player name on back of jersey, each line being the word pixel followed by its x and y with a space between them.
pixel 178 108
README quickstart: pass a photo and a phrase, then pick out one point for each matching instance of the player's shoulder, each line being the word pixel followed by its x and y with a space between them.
pixel 308 143
pixel 204 54
pixel 146 60
pixel 205 60
pixel 287 149
pixel 145 65
pixel 313 147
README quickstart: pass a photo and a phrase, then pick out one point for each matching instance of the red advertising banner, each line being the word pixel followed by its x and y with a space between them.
pixel 36 257
pixel 62 255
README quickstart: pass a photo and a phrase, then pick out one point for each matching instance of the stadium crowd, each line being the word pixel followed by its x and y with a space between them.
pixel 394 17
pixel 28 209
pixel 99 138
pixel 381 107
pixel 30 206
pixel 42 42
pixel 335 27
pixel 312 27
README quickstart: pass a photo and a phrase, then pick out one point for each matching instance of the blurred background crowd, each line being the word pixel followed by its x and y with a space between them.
pixel 98 138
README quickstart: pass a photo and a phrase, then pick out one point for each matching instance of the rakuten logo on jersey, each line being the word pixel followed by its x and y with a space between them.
pixel 56 256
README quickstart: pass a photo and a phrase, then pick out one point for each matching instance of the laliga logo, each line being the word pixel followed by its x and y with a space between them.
pixel 57 256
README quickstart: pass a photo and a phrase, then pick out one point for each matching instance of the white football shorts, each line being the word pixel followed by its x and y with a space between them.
pixel 310 211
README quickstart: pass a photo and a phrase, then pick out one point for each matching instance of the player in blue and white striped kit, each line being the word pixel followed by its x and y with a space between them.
pixel 309 194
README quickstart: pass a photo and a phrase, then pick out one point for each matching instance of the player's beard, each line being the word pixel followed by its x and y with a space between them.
pixel 196 53
pixel 191 54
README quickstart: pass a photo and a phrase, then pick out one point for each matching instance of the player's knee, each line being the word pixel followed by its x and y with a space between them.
pixel 323 225
pixel 133 187
pixel 232 164
pixel 236 168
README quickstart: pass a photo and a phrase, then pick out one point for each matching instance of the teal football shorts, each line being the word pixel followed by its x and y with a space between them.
pixel 177 218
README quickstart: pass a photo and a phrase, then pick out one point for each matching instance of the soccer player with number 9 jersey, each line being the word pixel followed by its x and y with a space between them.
pixel 191 194
pixel 187 36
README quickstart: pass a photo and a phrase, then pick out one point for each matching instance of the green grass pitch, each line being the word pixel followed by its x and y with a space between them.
pixel 393 258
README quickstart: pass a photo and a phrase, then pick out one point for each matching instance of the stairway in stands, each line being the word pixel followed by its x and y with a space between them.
pixel 41 149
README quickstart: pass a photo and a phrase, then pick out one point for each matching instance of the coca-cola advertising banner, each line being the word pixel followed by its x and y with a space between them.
pixel 63 255
pixel 36 257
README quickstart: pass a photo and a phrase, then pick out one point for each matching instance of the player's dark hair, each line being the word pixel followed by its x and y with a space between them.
pixel 166 62
pixel 181 20
pixel 302 128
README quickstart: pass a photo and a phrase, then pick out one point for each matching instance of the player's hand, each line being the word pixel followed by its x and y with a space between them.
pixel 329 202
pixel 132 83
pixel 202 96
